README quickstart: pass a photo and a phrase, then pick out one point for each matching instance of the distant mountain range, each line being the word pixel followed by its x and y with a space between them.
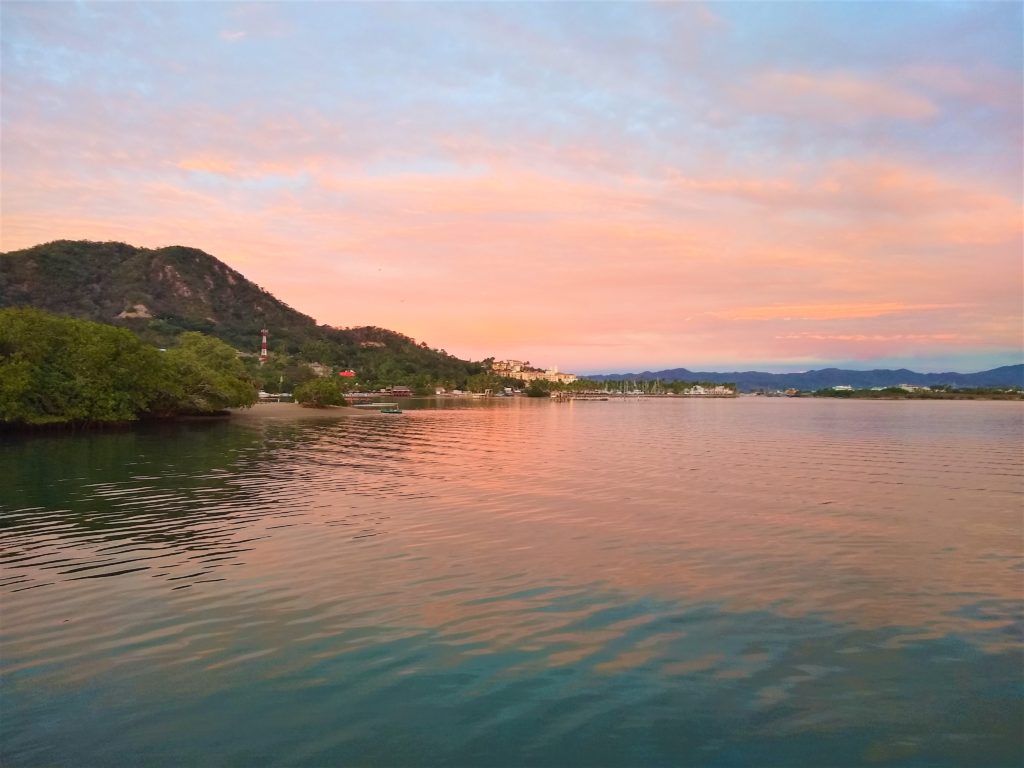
pixel 160 293
pixel 752 381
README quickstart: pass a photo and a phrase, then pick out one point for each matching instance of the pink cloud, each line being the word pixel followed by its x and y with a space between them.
pixel 980 84
pixel 865 185
pixel 833 97
pixel 557 258
pixel 833 311
pixel 879 336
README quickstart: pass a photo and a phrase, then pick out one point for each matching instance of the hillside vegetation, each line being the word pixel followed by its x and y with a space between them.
pixel 58 370
pixel 162 293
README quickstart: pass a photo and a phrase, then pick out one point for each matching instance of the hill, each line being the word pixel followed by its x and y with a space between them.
pixel 750 381
pixel 161 293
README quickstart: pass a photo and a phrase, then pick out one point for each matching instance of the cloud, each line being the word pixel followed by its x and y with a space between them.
pixel 833 97
pixel 833 311
pixel 209 164
pixel 956 209
pixel 535 177
pixel 979 83
pixel 878 336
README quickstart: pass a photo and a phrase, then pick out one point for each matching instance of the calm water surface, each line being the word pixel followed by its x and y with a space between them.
pixel 644 583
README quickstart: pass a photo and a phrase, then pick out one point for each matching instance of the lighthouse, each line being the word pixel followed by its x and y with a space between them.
pixel 263 347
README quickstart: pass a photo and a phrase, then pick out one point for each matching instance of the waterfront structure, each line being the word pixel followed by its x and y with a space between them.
pixel 263 347
pixel 698 390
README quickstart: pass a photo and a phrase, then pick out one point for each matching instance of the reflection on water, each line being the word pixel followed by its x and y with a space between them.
pixel 521 583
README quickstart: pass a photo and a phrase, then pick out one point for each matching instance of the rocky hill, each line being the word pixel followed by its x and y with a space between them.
pixel 159 293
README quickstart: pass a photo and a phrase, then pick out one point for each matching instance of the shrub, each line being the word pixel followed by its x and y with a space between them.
pixel 319 393
pixel 207 376
pixel 56 370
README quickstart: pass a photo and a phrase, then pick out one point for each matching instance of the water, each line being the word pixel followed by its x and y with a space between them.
pixel 748 582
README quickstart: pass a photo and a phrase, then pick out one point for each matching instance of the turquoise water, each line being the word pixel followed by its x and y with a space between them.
pixel 722 583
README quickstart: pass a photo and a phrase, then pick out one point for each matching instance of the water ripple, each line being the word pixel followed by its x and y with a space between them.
pixel 521 583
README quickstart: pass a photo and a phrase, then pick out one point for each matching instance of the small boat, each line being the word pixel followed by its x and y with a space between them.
pixel 391 409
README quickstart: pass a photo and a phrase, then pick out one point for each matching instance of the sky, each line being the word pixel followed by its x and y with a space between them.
pixel 598 187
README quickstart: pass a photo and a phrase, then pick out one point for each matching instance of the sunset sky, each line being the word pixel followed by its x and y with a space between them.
pixel 598 187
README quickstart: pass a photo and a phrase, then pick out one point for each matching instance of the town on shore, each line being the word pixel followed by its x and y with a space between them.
pixel 510 378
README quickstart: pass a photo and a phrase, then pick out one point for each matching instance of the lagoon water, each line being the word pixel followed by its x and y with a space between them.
pixel 523 583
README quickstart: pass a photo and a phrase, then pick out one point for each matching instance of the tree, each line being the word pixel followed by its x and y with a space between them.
pixel 539 388
pixel 319 393
pixel 422 386
pixel 57 370
pixel 206 376
pixel 318 351
pixel 481 382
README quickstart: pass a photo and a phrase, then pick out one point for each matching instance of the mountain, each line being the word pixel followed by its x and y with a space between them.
pixel 159 293
pixel 750 381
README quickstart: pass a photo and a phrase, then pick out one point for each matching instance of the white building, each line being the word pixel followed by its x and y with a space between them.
pixel 698 390
pixel 516 369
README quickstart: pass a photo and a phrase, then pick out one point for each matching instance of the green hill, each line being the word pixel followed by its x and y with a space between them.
pixel 161 293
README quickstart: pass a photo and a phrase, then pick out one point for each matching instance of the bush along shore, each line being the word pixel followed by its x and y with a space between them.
pixel 61 372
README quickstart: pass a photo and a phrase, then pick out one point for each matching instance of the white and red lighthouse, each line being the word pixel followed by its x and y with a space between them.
pixel 263 347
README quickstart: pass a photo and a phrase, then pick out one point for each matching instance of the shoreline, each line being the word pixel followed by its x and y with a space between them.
pixel 293 411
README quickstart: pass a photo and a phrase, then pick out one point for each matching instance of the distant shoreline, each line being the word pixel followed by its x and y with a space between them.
pixel 1008 396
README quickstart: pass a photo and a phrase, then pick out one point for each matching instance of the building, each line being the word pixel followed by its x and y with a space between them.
pixel 508 367
pixel 698 390
pixel 517 369
pixel 320 369
pixel 561 378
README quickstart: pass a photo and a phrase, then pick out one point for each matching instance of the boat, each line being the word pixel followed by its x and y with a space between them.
pixel 391 409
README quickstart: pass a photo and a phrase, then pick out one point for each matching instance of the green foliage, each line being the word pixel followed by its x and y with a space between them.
pixel 58 370
pixel 183 289
pixel 293 375
pixel 481 382
pixel 279 374
pixel 539 388
pixel 422 386
pixel 318 351
pixel 837 393
pixel 205 376
pixel 319 393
